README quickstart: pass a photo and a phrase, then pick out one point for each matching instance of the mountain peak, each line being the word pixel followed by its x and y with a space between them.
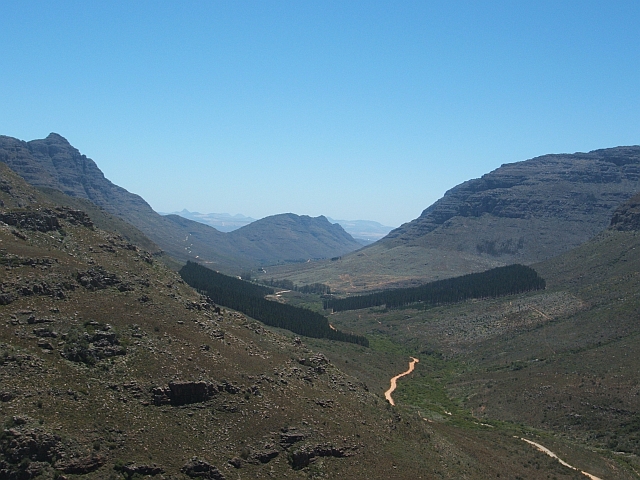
pixel 56 138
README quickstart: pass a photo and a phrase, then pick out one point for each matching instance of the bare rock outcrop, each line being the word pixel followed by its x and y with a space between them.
pixel 198 468
pixel 627 216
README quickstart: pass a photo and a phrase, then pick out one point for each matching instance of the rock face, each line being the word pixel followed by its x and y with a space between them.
pixel 198 468
pixel 301 457
pixel 44 220
pixel 580 189
pixel 522 212
pixel 188 392
pixel 54 163
pixel 627 216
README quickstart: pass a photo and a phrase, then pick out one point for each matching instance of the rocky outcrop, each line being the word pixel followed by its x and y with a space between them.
pixel 54 286
pixel 31 220
pixel 44 220
pixel 184 393
pixel 301 457
pixel 318 362
pixel 627 216
pixel 27 452
pixel 198 468
pixel 89 348
pixel 132 469
pixel 187 392
pixel 81 465
pixel 97 278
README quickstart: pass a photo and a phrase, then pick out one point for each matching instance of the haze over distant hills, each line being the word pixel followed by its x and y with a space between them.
pixel 223 222
pixel 522 212
pixel 366 231
pixel 54 163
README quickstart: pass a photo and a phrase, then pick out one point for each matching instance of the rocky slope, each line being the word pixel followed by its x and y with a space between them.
pixel 111 367
pixel 539 196
pixel 54 163
pixel 522 212
pixel 627 216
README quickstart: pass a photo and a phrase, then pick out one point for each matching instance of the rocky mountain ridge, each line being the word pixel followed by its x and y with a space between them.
pixel 522 212
pixel 583 187
pixel 53 163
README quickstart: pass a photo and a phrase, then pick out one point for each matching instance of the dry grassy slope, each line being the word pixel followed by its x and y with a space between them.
pixel 564 361
pixel 75 290
pixel 577 372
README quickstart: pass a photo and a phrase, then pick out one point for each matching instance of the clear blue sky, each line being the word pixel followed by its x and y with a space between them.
pixel 354 110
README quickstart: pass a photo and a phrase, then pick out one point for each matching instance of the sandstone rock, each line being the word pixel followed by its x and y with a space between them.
pixel 134 468
pixel 305 455
pixel 198 468
pixel 627 216
pixel 264 456
pixel 291 436
pixel 6 298
pixel 6 396
pixel 42 221
pixel 80 466
pixel 184 393
pixel 97 278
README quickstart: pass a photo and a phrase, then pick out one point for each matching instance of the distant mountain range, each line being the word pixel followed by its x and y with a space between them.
pixel 52 163
pixel 522 212
pixel 365 231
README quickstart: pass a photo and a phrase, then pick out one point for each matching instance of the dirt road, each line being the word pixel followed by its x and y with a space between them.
pixel 388 393
pixel 553 455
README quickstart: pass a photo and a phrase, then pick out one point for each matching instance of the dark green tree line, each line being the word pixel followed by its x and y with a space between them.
pixel 249 299
pixel 496 282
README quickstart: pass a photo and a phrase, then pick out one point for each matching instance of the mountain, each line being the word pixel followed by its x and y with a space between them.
pixel 300 236
pixel 112 367
pixel 54 163
pixel 364 231
pixel 522 212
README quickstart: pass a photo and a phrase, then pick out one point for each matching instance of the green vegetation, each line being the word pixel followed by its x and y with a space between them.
pixel 492 283
pixel 248 298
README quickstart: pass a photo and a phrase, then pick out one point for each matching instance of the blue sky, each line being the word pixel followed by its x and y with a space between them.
pixel 354 110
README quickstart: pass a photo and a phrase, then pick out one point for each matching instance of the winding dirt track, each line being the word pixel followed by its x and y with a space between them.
pixel 553 455
pixel 387 394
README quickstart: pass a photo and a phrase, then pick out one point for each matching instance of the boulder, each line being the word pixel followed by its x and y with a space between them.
pixel 198 468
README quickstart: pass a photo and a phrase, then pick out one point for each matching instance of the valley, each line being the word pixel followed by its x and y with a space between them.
pixel 112 367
